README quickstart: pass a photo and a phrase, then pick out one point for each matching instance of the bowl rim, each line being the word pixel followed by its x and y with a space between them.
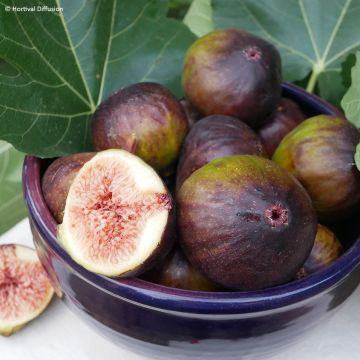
pixel 163 298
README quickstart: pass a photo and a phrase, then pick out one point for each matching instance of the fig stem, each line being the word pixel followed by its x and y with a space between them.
pixel 317 70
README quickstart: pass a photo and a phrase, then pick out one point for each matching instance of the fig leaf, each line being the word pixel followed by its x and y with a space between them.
pixel 357 157
pixel 12 208
pixel 57 66
pixel 351 101
pixel 199 17
pixel 312 36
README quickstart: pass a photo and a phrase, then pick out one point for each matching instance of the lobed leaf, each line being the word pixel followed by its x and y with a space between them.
pixel 312 36
pixel 58 66
pixel 199 17
pixel 12 207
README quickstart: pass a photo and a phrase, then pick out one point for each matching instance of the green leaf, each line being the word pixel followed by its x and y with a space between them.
pixel 12 207
pixel 357 157
pixel 67 62
pixel 331 86
pixel 199 17
pixel 351 101
pixel 178 8
pixel 346 67
pixel 312 36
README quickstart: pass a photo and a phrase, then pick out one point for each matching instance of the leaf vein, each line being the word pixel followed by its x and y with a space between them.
pixel 275 40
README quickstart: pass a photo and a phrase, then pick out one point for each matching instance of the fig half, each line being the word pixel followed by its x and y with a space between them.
pixel 118 217
pixel 245 222
pixel 25 290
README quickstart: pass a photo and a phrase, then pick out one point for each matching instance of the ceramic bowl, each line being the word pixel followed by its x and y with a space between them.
pixel 161 321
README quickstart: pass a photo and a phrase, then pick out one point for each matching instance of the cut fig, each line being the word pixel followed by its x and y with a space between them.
pixel 25 290
pixel 57 180
pixel 118 217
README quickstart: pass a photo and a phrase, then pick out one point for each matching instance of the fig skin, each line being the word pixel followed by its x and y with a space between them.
pixel 286 117
pixel 245 222
pixel 327 248
pixel 320 153
pixel 191 113
pixel 235 73
pixel 145 119
pixel 177 272
pixel 213 137
pixel 57 180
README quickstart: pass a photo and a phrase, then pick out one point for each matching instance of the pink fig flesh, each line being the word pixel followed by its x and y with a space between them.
pixel 25 290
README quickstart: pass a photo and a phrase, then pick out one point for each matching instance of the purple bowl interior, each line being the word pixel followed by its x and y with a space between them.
pixel 168 298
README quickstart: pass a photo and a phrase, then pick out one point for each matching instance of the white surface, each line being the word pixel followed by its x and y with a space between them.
pixel 59 335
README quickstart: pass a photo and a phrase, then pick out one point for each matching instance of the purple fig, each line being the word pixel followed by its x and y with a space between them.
pixel 235 73
pixel 286 117
pixel 245 222
pixel 213 137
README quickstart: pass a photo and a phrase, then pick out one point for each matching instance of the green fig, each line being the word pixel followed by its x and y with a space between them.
pixel 145 119
pixel 320 154
pixel 327 248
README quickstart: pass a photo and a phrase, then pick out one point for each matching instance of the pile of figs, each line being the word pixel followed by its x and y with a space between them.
pixel 221 190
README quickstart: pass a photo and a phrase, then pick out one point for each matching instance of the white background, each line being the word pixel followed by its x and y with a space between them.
pixel 59 335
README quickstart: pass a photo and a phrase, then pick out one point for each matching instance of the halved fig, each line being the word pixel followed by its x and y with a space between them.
pixel 118 217
pixel 25 290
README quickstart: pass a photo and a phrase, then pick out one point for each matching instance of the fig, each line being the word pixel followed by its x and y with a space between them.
pixel 192 115
pixel 286 117
pixel 177 272
pixel 118 217
pixel 326 249
pixel 57 180
pixel 235 73
pixel 213 137
pixel 320 153
pixel 145 119
pixel 245 222
pixel 25 290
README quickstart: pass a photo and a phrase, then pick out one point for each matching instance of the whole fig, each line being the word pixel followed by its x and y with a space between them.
pixel 145 119
pixel 245 222
pixel 176 271
pixel 191 113
pixel 286 117
pixel 213 137
pixel 57 180
pixel 320 153
pixel 326 249
pixel 232 72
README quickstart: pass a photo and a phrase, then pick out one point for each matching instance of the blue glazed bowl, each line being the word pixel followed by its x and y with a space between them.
pixel 162 321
